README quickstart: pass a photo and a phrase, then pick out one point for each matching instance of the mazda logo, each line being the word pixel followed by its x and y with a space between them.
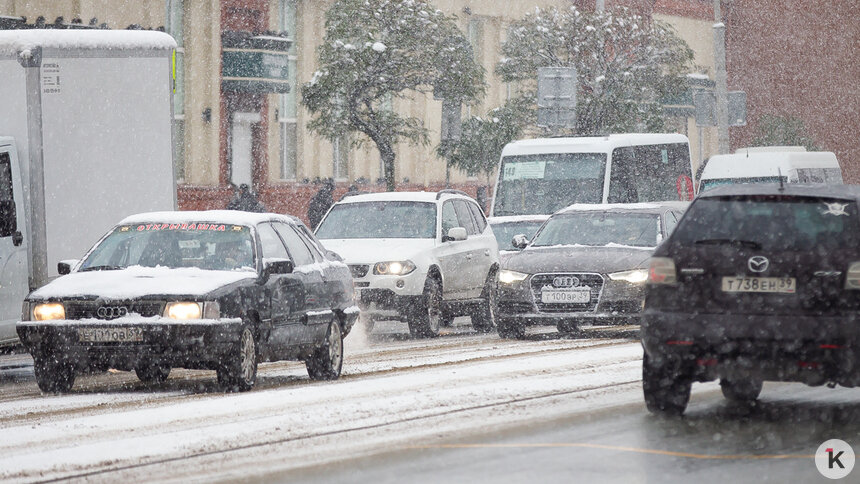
pixel 111 312
pixel 565 281
pixel 758 263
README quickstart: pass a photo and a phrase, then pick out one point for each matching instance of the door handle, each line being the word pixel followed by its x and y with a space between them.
pixel 487 252
pixel 17 239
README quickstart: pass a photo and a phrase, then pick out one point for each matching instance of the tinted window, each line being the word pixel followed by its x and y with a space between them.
pixel 478 216
pixel 649 173
pixel 716 182
pixel 449 217
pixel 770 223
pixel 271 243
pixel 379 220
pixel 600 229
pixel 5 177
pixel 464 215
pixel 300 253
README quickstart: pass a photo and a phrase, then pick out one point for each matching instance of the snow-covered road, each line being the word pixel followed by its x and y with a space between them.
pixel 393 394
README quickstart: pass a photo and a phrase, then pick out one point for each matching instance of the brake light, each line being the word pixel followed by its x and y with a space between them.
pixel 662 271
pixel 852 278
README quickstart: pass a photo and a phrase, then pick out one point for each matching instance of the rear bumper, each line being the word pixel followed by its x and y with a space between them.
pixel 808 349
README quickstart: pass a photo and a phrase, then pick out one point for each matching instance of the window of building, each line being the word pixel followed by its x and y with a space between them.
pixel 340 155
pixel 287 110
pixel 175 19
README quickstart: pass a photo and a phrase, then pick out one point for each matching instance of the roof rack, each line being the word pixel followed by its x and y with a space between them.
pixel 450 191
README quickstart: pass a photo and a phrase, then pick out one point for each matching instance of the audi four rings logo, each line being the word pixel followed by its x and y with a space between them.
pixel 565 281
pixel 112 312
pixel 758 263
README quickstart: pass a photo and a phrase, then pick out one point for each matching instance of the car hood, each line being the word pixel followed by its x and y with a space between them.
pixel 604 260
pixel 136 281
pixel 369 251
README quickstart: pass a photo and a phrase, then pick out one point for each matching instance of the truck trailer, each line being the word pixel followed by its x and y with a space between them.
pixel 85 140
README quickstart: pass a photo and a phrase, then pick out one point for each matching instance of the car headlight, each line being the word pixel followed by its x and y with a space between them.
pixel 510 277
pixel 394 268
pixel 49 311
pixel 636 276
pixel 183 310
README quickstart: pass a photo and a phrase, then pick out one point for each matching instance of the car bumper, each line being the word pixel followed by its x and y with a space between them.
pixel 384 303
pixel 191 344
pixel 809 349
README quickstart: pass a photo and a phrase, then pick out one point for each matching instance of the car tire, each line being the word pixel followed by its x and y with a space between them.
pixel 666 390
pixel 511 330
pixel 741 391
pixel 239 371
pixel 425 320
pixel 53 373
pixel 326 362
pixel 484 316
pixel 152 372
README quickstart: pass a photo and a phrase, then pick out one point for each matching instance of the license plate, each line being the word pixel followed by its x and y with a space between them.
pixel 783 285
pixel 110 335
pixel 565 296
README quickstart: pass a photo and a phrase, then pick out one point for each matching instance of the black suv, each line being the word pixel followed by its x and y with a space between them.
pixel 757 282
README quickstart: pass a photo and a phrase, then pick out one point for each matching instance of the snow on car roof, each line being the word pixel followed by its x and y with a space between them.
pixel 233 217
pixel 599 207
pixel 14 41
pixel 395 197
pixel 599 144
pixel 517 218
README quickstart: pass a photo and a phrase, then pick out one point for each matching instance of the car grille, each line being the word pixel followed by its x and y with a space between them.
pixel 594 281
pixel 90 309
pixel 359 270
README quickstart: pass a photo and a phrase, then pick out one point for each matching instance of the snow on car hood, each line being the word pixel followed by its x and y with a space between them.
pixel 604 260
pixel 139 281
pixel 369 251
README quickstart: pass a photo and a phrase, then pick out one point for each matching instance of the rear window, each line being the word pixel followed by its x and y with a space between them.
pixel 770 223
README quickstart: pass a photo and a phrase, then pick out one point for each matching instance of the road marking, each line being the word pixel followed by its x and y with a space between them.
pixel 616 447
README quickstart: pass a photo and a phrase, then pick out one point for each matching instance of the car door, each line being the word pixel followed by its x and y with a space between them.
pixel 337 277
pixel 488 252
pixel 474 272
pixel 13 248
pixel 451 254
pixel 284 293
pixel 317 303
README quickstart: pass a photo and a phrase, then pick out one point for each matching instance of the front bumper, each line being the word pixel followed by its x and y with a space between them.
pixel 794 348
pixel 383 296
pixel 191 344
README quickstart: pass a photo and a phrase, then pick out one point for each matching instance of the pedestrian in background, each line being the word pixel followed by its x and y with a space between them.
pixel 245 200
pixel 320 203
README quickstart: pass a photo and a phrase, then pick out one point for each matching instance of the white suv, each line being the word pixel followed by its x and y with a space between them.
pixel 420 256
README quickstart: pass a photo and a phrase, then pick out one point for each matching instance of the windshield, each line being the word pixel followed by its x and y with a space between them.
pixel 505 232
pixel 773 222
pixel 600 229
pixel 219 247
pixel 546 183
pixel 708 184
pixel 380 220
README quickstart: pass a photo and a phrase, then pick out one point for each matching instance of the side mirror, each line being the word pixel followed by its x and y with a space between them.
pixel 455 234
pixel 277 266
pixel 65 266
pixel 520 241
pixel 8 220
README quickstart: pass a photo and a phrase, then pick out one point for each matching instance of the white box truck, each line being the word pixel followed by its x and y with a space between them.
pixel 85 140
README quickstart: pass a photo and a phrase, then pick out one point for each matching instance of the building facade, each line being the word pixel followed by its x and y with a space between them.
pixel 234 123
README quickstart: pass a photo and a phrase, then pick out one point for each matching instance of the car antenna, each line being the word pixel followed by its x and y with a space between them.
pixel 781 184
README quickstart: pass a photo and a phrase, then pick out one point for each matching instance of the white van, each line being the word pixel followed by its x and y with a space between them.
pixel 766 164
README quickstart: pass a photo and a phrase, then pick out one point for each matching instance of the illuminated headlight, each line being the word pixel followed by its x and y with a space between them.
pixel 510 277
pixel 183 310
pixel 636 276
pixel 49 311
pixel 393 268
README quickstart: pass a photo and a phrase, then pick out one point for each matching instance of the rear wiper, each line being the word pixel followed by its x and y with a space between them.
pixel 100 268
pixel 742 243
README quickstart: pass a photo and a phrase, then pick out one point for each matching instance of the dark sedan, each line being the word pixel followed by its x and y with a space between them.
pixel 587 264
pixel 219 290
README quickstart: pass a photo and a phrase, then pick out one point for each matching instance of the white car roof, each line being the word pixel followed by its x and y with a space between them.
pixel 766 163
pixel 517 218
pixel 233 217
pixel 399 197
pixel 592 144
pixel 600 207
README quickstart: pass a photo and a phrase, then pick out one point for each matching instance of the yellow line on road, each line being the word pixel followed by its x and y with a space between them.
pixel 618 448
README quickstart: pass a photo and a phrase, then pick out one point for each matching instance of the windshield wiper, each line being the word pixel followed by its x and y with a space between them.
pixel 101 268
pixel 741 243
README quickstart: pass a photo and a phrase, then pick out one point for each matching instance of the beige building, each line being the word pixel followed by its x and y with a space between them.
pixel 232 124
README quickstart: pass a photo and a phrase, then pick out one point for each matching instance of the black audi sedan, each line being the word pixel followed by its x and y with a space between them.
pixel 757 283
pixel 218 290
pixel 586 264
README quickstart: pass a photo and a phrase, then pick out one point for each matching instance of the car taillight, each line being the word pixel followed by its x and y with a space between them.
pixel 662 271
pixel 852 278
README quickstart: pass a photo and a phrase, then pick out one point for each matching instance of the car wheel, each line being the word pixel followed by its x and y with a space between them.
pixel 511 330
pixel 152 372
pixel 484 318
pixel 666 390
pixel 427 317
pixel 742 391
pixel 53 373
pixel 327 360
pixel 239 372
